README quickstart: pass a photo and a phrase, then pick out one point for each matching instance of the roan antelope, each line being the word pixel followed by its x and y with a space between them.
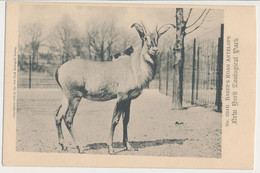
pixel 123 79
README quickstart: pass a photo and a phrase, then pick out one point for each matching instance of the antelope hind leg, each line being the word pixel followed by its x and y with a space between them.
pixel 58 119
pixel 72 108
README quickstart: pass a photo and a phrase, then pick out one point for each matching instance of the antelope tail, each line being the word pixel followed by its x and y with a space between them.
pixel 57 77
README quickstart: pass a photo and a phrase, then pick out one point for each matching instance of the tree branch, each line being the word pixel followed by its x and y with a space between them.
pixel 188 16
pixel 42 39
pixel 197 19
pixel 199 24
pixel 172 25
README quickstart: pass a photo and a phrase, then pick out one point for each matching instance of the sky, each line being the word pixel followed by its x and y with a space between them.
pixel 123 17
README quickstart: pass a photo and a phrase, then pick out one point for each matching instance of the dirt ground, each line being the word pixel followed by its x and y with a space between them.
pixel 154 129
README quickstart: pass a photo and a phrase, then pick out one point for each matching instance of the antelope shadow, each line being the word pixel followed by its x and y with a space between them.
pixel 135 144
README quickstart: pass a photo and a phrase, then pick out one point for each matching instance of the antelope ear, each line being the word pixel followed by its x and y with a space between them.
pixel 139 29
pixel 164 29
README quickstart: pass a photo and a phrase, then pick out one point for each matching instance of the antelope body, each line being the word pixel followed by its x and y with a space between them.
pixel 123 79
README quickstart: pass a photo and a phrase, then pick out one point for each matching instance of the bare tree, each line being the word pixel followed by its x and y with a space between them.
pixel 100 40
pixel 30 41
pixel 77 45
pixel 182 29
pixel 63 37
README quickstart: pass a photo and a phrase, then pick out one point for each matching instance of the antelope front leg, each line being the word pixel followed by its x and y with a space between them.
pixel 115 120
pixel 125 117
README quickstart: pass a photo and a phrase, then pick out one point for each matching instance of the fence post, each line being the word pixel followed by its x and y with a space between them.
pixel 198 73
pixel 167 73
pixel 208 71
pixel 160 61
pixel 193 71
pixel 219 71
pixel 30 70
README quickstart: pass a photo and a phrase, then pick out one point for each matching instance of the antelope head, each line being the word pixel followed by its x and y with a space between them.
pixel 150 40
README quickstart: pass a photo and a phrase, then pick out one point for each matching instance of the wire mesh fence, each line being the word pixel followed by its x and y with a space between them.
pixel 202 76
pixel 35 79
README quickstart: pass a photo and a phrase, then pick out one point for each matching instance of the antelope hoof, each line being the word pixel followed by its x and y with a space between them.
pixel 87 148
pixel 111 150
pixel 80 149
pixel 128 147
pixel 62 147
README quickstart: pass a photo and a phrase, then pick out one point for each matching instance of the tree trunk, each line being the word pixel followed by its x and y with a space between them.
pixel 33 60
pixel 37 60
pixel 109 48
pixel 62 58
pixel 66 57
pixel 102 52
pixel 179 61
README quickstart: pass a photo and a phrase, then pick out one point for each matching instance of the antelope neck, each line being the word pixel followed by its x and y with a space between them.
pixel 143 66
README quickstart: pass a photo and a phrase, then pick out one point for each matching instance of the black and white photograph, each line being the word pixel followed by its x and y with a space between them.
pixel 129 85
pixel 119 80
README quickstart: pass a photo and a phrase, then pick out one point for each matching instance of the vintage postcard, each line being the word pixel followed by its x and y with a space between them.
pixel 129 85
